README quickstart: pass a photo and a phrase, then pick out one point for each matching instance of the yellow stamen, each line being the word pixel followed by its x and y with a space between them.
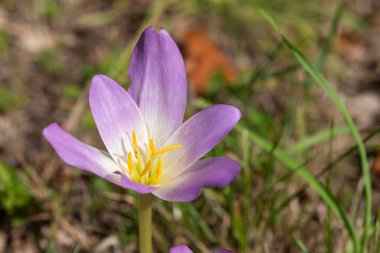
pixel 134 142
pixel 152 147
pixel 158 171
pixel 140 165
pixel 130 162
pixel 146 169
pixel 167 149
pixel 132 168
pixel 144 162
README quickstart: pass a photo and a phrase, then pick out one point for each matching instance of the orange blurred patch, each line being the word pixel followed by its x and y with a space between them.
pixel 346 43
pixel 203 58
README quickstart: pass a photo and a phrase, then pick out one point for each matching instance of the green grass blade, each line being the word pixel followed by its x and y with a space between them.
pixel 327 43
pixel 316 75
pixel 301 245
pixel 319 137
pixel 326 46
pixel 302 171
pixel 323 171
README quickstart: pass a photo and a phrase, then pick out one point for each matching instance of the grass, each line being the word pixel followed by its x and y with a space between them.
pixel 293 193
pixel 317 76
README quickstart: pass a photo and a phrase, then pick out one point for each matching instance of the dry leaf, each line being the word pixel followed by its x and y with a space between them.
pixel 203 59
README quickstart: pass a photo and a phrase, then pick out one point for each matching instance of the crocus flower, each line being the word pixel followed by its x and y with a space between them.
pixel 185 249
pixel 149 149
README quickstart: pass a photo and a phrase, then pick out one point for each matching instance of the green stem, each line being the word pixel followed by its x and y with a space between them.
pixel 145 223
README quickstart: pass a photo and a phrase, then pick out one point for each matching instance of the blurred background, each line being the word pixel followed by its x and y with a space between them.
pixel 49 51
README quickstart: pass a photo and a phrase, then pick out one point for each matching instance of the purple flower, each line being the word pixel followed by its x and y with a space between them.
pixel 185 249
pixel 149 149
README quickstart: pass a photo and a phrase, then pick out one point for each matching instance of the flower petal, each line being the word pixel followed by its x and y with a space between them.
pixel 180 249
pixel 198 135
pixel 185 249
pixel 116 116
pixel 216 171
pixel 79 154
pixel 158 83
pixel 223 251
pixel 129 184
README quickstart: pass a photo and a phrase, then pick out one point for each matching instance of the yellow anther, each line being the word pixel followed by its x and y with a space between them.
pixel 152 147
pixel 134 142
pixel 130 163
pixel 132 168
pixel 144 162
pixel 140 165
pixel 167 149
pixel 146 169
pixel 134 138
pixel 158 171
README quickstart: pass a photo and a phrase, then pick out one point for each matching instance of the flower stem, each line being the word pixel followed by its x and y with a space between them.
pixel 145 223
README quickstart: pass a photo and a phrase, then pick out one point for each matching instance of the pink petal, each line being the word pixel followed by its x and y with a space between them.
pixel 79 154
pixel 223 251
pixel 116 116
pixel 211 172
pixel 185 249
pixel 180 249
pixel 158 83
pixel 137 187
pixel 198 135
